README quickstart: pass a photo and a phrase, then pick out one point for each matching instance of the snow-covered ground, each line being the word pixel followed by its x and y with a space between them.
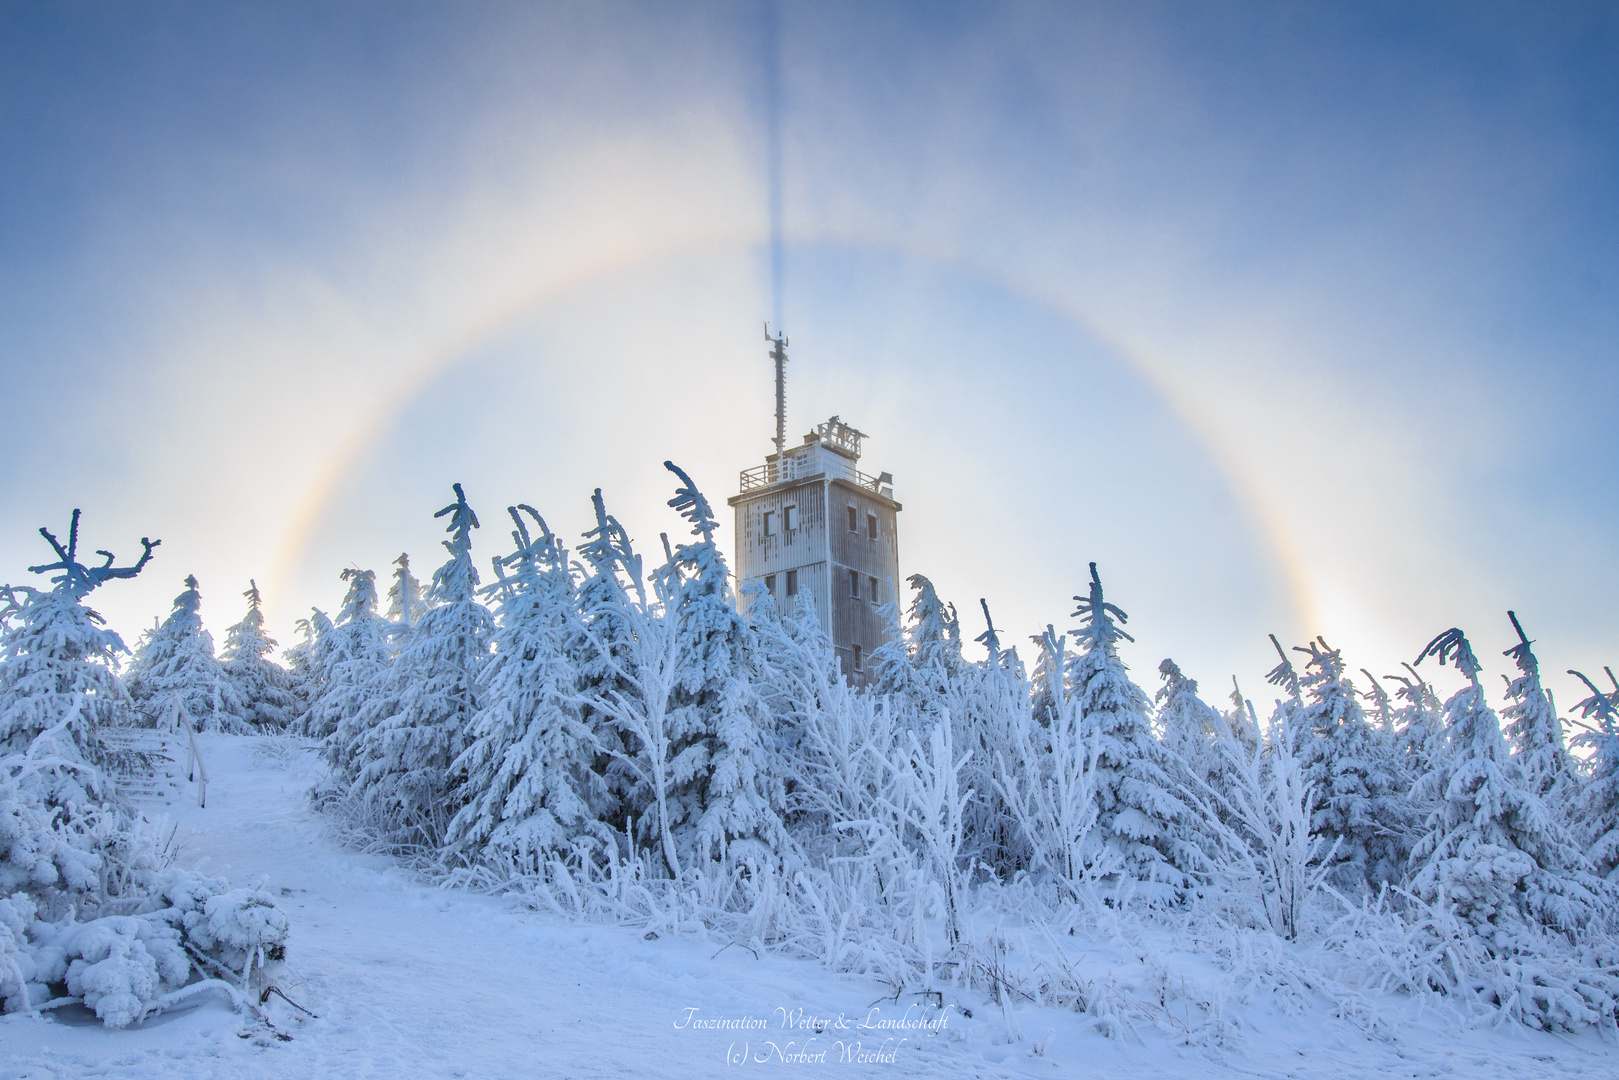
pixel 410 980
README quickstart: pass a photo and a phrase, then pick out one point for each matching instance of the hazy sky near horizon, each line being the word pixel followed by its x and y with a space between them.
pixel 1293 317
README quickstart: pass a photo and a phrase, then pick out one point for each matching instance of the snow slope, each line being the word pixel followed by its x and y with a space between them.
pixel 412 980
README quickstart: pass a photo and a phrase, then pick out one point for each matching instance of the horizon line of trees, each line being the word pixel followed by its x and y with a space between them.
pixel 579 717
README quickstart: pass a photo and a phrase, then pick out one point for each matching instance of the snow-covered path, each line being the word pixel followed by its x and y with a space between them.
pixel 411 980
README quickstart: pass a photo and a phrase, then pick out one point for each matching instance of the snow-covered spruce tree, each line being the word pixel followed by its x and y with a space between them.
pixel 303 682
pixel 58 681
pixel 405 603
pixel 1284 676
pixel 735 798
pixel 347 663
pixel 178 664
pixel 1141 821
pixel 531 792
pixel 1598 810
pixel 1186 724
pixel 921 662
pixel 1493 853
pixel 69 847
pixel 621 631
pixel 256 689
pixel 1381 715
pixel 1419 727
pixel 1535 733
pixel 1352 768
pixel 406 777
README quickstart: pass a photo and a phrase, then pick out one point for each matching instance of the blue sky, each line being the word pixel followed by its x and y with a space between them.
pixel 1296 318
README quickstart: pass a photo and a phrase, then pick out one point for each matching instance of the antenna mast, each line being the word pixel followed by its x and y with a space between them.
pixel 778 353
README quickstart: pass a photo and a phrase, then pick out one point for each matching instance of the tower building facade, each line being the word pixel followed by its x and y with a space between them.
pixel 810 524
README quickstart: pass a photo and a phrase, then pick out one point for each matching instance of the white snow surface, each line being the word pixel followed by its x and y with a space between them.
pixel 409 979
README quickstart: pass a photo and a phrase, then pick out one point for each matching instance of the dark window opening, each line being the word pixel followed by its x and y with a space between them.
pixel 854 516
pixel 789 518
pixel 873 583
pixel 871 526
pixel 792 583
pixel 856 657
pixel 854 584
pixel 770 523
pixel 770 584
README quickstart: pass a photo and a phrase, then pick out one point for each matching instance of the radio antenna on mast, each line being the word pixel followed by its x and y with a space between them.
pixel 778 353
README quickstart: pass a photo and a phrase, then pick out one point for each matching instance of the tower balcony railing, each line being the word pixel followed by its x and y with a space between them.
pixel 798 466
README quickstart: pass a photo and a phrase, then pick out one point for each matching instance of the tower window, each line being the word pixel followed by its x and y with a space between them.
pixel 854 518
pixel 873 583
pixel 871 527
pixel 856 649
pixel 792 583
pixel 770 523
pixel 770 584
pixel 854 584
pixel 789 518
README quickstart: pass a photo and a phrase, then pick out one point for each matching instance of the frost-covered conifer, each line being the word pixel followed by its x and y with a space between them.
pixel 349 660
pixel 178 664
pixel 1419 725
pixel 405 779
pixel 603 649
pixel 58 681
pixel 1382 711
pixel 1598 809
pixel 1535 733
pixel 1284 676
pixel 1352 769
pixel 921 662
pixel 531 790
pixel 1493 854
pixel 303 680
pixel 405 603
pixel 1186 723
pixel 735 798
pixel 1141 822
pixel 256 689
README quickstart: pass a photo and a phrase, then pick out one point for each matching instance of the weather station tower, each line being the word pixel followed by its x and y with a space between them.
pixel 810 525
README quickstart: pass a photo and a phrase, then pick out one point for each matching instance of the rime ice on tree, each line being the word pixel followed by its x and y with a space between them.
pixel 1140 819
pixel 176 670
pixel 256 688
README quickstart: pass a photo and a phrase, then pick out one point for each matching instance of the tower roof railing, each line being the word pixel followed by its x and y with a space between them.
pixel 802 466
